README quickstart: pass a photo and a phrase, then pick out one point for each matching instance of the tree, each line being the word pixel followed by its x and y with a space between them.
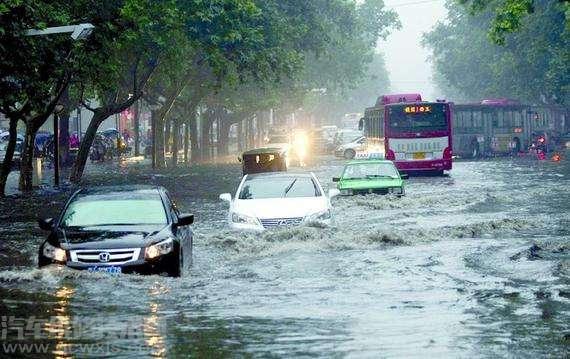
pixel 533 64
pixel 33 78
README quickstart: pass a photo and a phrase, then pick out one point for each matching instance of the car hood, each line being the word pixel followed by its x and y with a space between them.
pixel 370 183
pixel 112 236
pixel 281 207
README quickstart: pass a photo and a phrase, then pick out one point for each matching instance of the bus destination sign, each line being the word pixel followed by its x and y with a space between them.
pixel 417 109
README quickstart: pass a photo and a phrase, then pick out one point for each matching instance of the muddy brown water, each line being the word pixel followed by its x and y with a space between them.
pixel 473 264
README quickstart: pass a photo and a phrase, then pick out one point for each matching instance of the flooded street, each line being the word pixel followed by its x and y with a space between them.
pixel 476 263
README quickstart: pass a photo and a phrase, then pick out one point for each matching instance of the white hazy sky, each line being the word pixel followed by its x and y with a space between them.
pixel 406 59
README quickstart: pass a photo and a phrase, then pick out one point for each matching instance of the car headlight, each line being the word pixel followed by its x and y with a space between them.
pixel 320 216
pixel 244 219
pixel 346 192
pixel 51 252
pixel 397 190
pixel 159 249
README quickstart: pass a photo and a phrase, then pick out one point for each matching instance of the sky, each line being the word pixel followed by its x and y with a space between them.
pixel 406 59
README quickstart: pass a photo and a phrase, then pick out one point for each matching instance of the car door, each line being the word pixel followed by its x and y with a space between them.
pixel 184 233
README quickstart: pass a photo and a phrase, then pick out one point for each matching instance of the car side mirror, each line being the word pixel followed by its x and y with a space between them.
pixel 46 224
pixel 361 124
pixel 404 175
pixel 333 192
pixel 336 179
pixel 185 219
pixel 226 197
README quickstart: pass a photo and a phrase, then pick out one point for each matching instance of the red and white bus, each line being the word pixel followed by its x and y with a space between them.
pixel 415 134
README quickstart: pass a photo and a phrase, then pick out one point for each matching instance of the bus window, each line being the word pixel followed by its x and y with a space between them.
pixel 517 119
pixel 477 121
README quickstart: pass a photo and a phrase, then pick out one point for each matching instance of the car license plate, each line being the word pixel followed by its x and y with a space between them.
pixel 114 270
pixel 419 155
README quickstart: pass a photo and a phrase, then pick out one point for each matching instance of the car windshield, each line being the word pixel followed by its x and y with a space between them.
pixel 349 137
pixel 404 122
pixel 104 210
pixel 370 170
pixel 279 187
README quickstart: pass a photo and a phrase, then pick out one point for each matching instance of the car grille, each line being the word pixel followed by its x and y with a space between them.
pixel 281 222
pixel 371 190
pixel 98 256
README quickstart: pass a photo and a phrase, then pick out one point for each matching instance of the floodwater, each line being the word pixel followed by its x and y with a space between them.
pixel 473 264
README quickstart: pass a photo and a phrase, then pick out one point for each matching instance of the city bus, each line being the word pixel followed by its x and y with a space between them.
pixel 415 134
pixel 498 127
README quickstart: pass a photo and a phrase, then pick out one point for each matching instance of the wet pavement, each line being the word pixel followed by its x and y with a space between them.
pixel 473 264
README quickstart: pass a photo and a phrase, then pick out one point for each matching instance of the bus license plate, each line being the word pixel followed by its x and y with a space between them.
pixel 419 155
pixel 113 270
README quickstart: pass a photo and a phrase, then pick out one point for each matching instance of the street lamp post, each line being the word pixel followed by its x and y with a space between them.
pixel 58 109
pixel 78 32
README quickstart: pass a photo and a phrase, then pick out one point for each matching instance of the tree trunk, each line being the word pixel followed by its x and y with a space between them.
pixel 27 158
pixel 240 136
pixel 186 142
pixel 137 135
pixel 9 156
pixel 175 140
pixel 85 146
pixel 205 138
pixel 194 141
pixel 224 132
pixel 159 133
pixel 168 135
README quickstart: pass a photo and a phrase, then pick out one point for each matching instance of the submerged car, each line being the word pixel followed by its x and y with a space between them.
pixel 267 159
pixel 279 199
pixel 119 230
pixel 370 176
pixel 349 150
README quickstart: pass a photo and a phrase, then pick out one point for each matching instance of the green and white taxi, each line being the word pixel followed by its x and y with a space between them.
pixel 370 176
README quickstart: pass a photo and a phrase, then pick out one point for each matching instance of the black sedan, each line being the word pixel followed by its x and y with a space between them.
pixel 119 230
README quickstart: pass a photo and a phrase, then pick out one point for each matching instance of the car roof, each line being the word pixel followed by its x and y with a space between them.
pixel 366 161
pixel 135 189
pixel 264 150
pixel 280 174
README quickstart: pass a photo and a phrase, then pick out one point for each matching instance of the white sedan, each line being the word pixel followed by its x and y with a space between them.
pixel 278 199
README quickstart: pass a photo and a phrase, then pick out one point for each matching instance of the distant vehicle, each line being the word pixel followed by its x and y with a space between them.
pixel 345 136
pixel 275 200
pixel 322 139
pixel 119 230
pixel 4 138
pixel 279 140
pixel 370 176
pixel 267 159
pixel 350 149
pixel 498 127
pixel 329 130
pixel 415 134
pixel 350 120
pixel 120 145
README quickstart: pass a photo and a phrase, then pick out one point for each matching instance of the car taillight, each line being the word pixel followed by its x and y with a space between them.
pixel 390 155
pixel 447 153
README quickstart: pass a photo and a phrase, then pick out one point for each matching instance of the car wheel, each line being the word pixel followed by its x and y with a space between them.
pixel 349 154
pixel 475 150
pixel 175 268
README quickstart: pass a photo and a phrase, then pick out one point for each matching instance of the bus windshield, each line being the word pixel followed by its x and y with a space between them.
pixel 417 118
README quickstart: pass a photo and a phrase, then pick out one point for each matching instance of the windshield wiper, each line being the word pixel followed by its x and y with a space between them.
pixel 289 188
pixel 380 176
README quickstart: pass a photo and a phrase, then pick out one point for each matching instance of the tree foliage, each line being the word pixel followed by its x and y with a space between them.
pixel 532 64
